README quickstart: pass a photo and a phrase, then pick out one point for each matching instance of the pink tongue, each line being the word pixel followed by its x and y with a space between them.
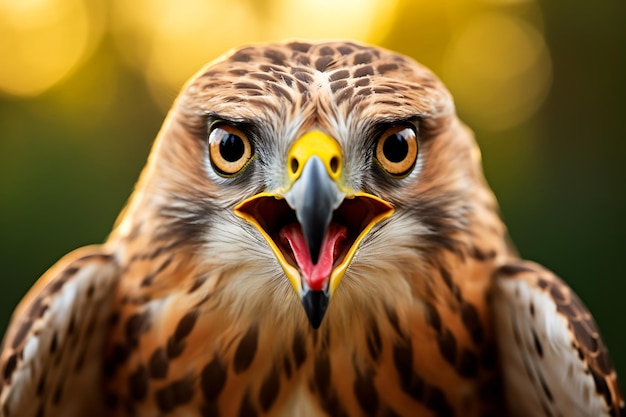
pixel 315 275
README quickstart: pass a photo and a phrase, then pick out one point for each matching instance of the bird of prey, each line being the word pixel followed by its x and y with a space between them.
pixel 312 236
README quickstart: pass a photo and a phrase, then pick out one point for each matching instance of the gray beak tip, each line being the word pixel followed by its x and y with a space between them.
pixel 315 304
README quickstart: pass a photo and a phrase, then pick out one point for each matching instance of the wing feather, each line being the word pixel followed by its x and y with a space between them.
pixel 553 359
pixel 51 357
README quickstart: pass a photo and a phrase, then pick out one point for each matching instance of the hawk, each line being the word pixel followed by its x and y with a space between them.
pixel 312 236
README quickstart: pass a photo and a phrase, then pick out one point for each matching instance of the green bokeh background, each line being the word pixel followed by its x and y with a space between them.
pixel 68 162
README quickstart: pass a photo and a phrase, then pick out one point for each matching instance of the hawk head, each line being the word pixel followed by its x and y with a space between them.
pixel 325 167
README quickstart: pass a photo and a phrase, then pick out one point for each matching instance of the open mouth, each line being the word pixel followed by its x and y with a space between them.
pixel 350 222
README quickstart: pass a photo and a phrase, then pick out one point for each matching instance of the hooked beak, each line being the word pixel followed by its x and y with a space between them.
pixel 314 197
pixel 314 227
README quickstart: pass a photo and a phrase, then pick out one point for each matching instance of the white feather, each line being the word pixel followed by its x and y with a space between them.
pixel 554 382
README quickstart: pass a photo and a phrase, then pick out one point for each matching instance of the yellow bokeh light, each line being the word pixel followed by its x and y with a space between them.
pixel 499 70
pixel 42 41
pixel 365 20
pixel 170 40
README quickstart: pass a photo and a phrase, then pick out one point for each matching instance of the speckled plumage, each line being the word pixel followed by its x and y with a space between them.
pixel 185 310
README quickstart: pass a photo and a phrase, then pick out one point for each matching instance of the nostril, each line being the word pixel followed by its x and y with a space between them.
pixel 294 165
pixel 334 164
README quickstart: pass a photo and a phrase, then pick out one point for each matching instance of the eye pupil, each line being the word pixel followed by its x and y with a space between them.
pixel 232 147
pixel 395 148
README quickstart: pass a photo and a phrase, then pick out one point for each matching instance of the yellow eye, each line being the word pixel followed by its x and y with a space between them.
pixel 396 150
pixel 229 149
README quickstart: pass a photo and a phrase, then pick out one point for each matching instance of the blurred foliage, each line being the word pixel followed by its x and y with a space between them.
pixel 84 86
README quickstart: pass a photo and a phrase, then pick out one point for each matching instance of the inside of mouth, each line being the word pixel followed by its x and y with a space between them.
pixel 315 276
pixel 279 223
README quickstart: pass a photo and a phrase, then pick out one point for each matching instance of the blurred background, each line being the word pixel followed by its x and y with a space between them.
pixel 85 84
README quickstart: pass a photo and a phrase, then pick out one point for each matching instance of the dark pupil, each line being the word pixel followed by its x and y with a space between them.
pixel 232 148
pixel 395 148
